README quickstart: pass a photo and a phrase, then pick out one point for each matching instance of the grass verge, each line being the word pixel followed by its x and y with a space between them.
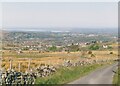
pixel 116 78
pixel 65 75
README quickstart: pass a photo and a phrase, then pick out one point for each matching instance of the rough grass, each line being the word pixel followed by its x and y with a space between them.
pixel 65 75
pixel 116 78
pixel 51 58
pixel 36 54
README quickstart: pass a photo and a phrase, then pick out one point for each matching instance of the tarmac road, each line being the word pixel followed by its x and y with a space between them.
pixel 99 76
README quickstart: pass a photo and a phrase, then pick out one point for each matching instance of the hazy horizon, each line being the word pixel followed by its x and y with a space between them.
pixel 72 30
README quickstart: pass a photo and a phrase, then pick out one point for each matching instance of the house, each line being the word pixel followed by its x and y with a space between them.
pixel 105 46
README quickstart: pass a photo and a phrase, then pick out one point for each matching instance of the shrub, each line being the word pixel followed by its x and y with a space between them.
pixel 92 55
pixel 3 65
pixel 111 52
pixel 53 48
pixel 94 47
pixel 109 47
pixel 89 52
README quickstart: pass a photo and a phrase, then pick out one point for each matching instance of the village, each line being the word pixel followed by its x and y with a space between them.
pixel 47 41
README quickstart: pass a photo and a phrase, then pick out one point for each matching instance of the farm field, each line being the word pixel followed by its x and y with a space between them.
pixel 52 58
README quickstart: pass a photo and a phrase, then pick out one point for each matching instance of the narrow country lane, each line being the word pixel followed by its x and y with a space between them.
pixel 99 76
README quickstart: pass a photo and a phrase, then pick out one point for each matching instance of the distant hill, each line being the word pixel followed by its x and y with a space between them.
pixel 95 30
pixel 79 30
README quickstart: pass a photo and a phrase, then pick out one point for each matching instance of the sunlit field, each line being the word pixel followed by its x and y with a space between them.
pixel 52 58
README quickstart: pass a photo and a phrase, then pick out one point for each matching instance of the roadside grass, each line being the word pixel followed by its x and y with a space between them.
pixel 116 78
pixel 65 75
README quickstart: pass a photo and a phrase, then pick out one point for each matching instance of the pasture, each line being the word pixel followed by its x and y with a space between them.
pixel 51 58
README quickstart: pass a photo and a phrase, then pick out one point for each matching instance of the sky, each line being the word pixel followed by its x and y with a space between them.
pixel 59 15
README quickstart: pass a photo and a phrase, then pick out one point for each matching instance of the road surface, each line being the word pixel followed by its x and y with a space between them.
pixel 100 76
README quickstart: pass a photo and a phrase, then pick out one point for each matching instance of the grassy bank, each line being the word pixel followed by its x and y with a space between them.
pixel 116 78
pixel 65 75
